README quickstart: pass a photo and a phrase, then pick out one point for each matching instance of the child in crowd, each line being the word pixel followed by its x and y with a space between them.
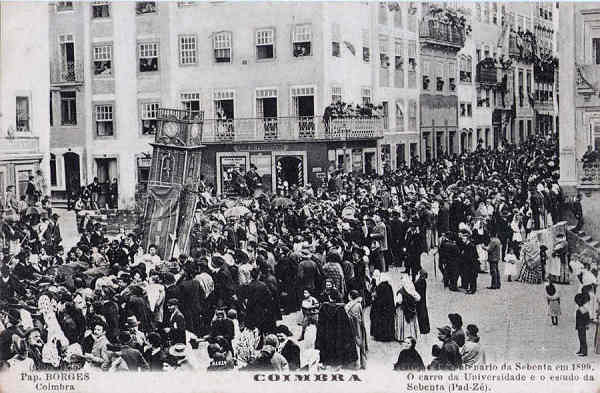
pixel 510 266
pixel 310 311
pixel 553 299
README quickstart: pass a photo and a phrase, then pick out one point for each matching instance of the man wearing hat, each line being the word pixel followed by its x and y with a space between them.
pixel 11 320
pixel 138 338
pixel 175 322
pixel 288 349
pixel 133 357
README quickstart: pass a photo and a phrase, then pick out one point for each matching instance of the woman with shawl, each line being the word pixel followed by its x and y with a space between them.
pixel 406 309
pixel 382 310
pixel 531 271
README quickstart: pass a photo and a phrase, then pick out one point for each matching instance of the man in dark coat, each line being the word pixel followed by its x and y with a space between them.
pixel 414 248
pixel 191 296
pixel 224 286
pixel 138 305
pixel 286 272
pixel 308 272
pixel 258 304
pixel 470 260
pixel 175 324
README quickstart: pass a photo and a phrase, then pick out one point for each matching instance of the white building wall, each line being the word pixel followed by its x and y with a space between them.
pixel 24 70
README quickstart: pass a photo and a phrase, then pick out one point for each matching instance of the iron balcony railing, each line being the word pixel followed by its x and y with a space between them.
pixel 438 32
pixel 67 73
pixel 301 128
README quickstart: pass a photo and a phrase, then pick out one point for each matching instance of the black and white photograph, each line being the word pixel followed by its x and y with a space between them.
pixel 361 195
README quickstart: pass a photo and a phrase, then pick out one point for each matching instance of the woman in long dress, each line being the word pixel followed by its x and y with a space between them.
pixel 531 271
pixel 558 268
pixel 406 309
pixel 383 311
pixel 422 313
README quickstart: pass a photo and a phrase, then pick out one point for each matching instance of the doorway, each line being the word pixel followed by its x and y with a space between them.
pixel 290 169
pixel 370 162
pixel 72 172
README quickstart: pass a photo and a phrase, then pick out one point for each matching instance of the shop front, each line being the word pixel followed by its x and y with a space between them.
pixel 286 164
pixel 19 159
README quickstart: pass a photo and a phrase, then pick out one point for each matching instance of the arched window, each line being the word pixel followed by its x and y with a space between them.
pixel 166 169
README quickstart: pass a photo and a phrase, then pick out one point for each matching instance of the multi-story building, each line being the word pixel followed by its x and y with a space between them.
pixel 259 77
pixel 397 74
pixel 67 96
pixel 580 119
pixel 442 34
pixel 24 114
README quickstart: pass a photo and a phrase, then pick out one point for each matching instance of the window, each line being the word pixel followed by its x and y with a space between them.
pixel 222 47
pixel 336 94
pixel 486 12
pixel 365 46
pixel 479 97
pixel 438 71
pixel 224 101
pixel 100 9
pixel 412 115
pixel 102 60
pixel 521 92
pixel 148 52
pixel 265 48
pixel 398 17
pixel 145 7
pixel 64 6
pixel 487 98
pixel 386 115
pixel 412 64
pixel 495 13
pixel 191 102
pixel 466 66
pixel 596 49
pixel 104 120
pixel 335 40
pixel 144 162
pixel 470 110
pixel 187 49
pixel 399 64
pixel 463 109
pixel 148 116
pixel 382 16
pixel 51 114
pixel 478 55
pixel 384 58
pixel 528 82
pixel 302 40
pixel 53 180
pixel 426 75
pixel 400 115
pixel 365 94
pixel 451 77
pixel 68 108
pixel 22 180
pixel 67 57
pixel 22 114
pixel 478 12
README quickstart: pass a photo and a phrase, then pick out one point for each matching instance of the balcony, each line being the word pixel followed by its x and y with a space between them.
pixel 487 73
pixel 435 32
pixel 70 73
pixel 302 129
pixel 588 174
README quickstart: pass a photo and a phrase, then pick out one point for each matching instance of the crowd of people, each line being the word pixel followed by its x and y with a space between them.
pixel 321 254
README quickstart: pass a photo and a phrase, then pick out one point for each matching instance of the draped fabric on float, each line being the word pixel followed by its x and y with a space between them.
pixel 162 217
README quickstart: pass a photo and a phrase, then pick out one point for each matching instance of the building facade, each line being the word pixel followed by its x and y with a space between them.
pixel 580 120
pixel 24 113
pixel 261 79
